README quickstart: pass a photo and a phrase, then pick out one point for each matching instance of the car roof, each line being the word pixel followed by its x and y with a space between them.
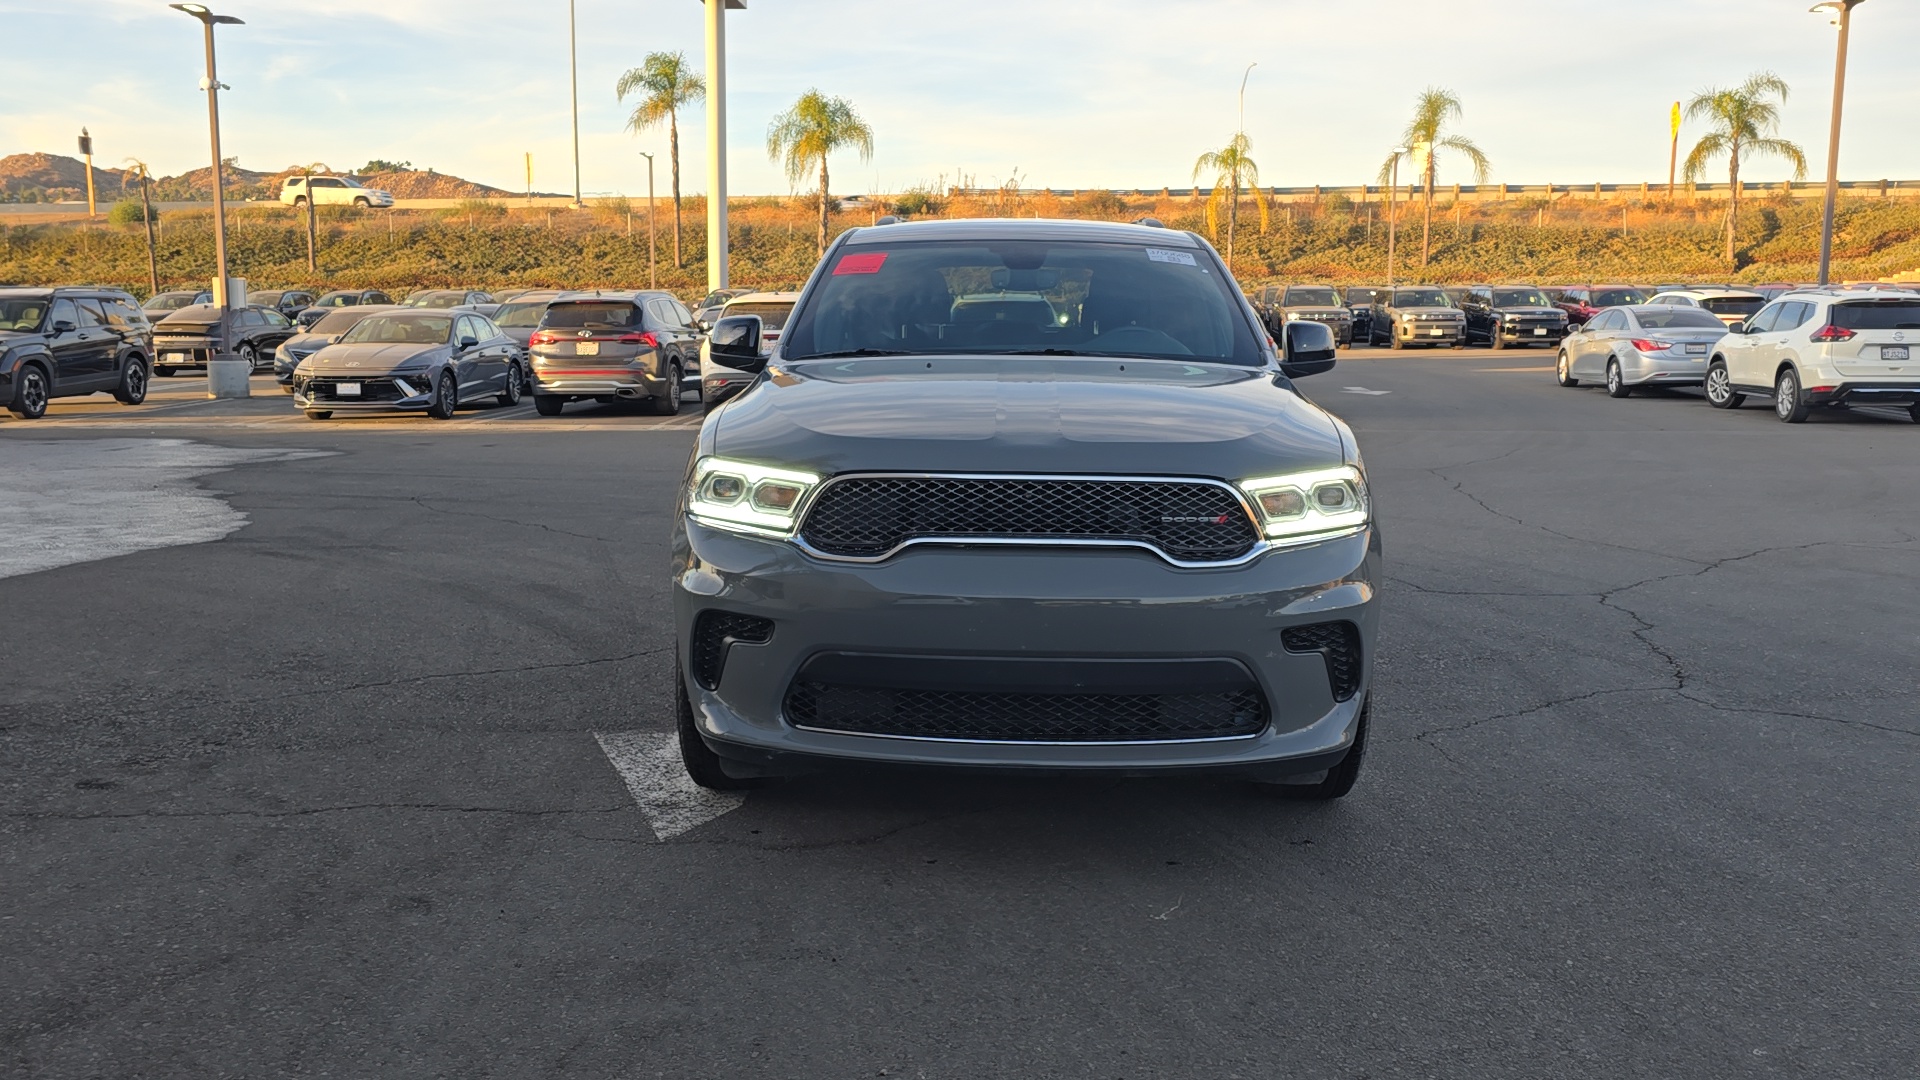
pixel 1021 229
pixel 1716 293
pixel 765 298
pixel 530 295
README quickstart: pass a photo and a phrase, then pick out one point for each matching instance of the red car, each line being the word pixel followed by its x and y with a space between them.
pixel 1583 302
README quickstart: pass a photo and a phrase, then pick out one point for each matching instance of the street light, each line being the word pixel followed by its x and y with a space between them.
pixel 222 380
pixel 652 282
pixel 1843 15
pixel 1393 189
pixel 573 74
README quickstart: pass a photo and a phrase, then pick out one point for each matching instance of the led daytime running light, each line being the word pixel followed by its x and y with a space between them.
pixel 1305 506
pixel 745 497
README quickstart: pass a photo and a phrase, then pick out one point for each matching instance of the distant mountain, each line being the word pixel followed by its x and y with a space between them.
pixel 52 177
pixel 55 178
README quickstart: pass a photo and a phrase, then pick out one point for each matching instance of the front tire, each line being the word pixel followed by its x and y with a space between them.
pixel 133 383
pixel 361 203
pixel 1339 779
pixel 511 395
pixel 249 356
pixel 702 764
pixel 548 404
pixel 1616 384
pixel 319 414
pixel 1719 387
pixel 446 397
pixel 1788 403
pixel 1564 373
pixel 31 392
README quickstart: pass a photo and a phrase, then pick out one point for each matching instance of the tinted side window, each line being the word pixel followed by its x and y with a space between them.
pixel 467 329
pixel 122 315
pixel 274 318
pixel 1793 315
pixel 681 313
pixel 375 298
pixel 90 313
pixel 1764 321
pixel 63 312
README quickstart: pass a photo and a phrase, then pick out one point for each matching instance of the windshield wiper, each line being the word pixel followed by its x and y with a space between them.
pixel 851 352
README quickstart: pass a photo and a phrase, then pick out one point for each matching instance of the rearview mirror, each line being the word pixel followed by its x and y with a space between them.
pixel 1307 349
pixel 735 342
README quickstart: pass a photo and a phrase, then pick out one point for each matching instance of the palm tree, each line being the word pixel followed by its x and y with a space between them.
pixel 815 127
pixel 135 168
pixel 1424 133
pixel 1743 121
pixel 1232 169
pixel 664 83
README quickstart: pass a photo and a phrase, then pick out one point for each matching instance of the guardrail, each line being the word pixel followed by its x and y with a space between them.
pixel 1362 193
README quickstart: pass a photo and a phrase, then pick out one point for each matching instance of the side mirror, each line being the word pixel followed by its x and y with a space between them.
pixel 735 342
pixel 64 327
pixel 1308 349
pixel 1737 328
pixel 469 343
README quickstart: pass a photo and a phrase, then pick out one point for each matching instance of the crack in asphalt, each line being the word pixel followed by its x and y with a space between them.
pixel 421 502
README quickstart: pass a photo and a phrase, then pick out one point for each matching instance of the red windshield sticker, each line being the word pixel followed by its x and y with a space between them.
pixel 867 263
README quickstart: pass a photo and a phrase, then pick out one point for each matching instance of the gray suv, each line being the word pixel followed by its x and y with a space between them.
pixel 1103 533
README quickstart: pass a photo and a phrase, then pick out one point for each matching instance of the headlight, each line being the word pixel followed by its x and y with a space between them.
pixel 1306 506
pixel 1292 315
pixel 744 497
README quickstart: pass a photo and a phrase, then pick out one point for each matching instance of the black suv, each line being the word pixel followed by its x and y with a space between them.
pixel 1503 315
pixel 67 342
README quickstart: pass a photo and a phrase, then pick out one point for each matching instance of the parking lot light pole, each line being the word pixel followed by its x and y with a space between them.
pixel 222 380
pixel 716 19
pixel 1843 12
pixel 573 76
pixel 1393 189
pixel 652 269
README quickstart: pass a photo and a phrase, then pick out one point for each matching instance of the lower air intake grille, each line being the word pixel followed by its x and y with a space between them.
pixel 1339 644
pixel 713 633
pixel 1026 717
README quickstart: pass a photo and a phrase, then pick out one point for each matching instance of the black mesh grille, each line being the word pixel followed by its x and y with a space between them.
pixel 1023 717
pixel 1339 644
pixel 713 632
pixel 870 516
pixel 325 388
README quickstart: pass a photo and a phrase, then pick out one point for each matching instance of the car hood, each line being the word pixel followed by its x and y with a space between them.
pixel 301 344
pixel 1316 309
pixel 1424 310
pixel 370 358
pixel 1027 415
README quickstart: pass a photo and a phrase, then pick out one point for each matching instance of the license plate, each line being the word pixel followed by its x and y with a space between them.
pixel 1539 331
pixel 176 356
pixel 1436 332
pixel 586 348
pixel 1697 350
pixel 1893 352
pixel 346 389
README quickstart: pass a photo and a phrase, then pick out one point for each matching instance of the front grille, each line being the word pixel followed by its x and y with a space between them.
pixel 1026 717
pixel 324 389
pixel 1339 644
pixel 869 516
pixel 714 633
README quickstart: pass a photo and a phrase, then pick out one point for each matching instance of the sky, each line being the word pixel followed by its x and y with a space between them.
pixel 1064 93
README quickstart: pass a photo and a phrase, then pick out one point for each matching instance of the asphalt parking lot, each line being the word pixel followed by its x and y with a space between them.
pixel 367 779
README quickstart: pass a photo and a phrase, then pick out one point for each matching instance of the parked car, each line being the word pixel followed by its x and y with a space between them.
pixel 328 330
pixel 1640 345
pixel 708 309
pixel 332 191
pixel 1731 305
pixel 520 315
pixel 188 337
pixel 65 342
pixel 1773 290
pixel 1504 315
pixel 288 302
pixel 1359 303
pixel 1417 315
pixel 720 380
pixel 1583 302
pixel 1832 347
pixel 1456 293
pixel 613 346
pixel 340 298
pixel 902 468
pixel 161 304
pixel 403 360
pixel 1282 304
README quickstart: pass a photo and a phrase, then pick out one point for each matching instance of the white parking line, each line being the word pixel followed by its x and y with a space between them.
pixel 649 762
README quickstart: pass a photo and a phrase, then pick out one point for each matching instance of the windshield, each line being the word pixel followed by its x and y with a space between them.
pixel 1734 305
pixel 1618 297
pixel 351 182
pixel 22 314
pixel 598 315
pixel 1520 298
pixel 1878 315
pixel 1058 297
pixel 1420 298
pixel 168 301
pixel 1311 296
pixel 772 316
pixel 399 329
pixel 524 315
pixel 268 298
pixel 338 322
pixel 1361 296
pixel 1678 319
pixel 435 300
pixel 338 299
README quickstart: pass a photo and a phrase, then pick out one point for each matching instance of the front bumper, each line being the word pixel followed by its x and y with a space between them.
pixel 1016 603
pixel 380 393
pixel 1435 333
pixel 1523 334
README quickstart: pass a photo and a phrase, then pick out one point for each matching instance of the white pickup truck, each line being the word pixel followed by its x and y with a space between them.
pixel 332 191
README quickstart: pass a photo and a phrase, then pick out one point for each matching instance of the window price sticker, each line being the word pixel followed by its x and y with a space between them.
pixel 1162 255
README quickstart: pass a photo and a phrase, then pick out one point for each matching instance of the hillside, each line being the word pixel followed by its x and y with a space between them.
pixel 48 174
pixel 56 178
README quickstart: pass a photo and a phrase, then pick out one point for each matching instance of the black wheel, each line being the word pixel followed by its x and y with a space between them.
pixel 702 764
pixel 249 356
pixel 446 397
pixel 1788 403
pixel 670 404
pixel 548 404
pixel 1616 384
pixel 1913 410
pixel 161 371
pixel 511 395
pixel 1719 387
pixel 31 392
pixel 133 383
pixel 362 202
pixel 1339 779
pixel 299 200
pixel 1564 372
pixel 319 414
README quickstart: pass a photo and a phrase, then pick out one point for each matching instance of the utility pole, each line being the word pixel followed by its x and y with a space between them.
pixel 717 139
pixel 529 177
pixel 1843 11
pixel 222 380
pixel 86 152
pixel 573 72
pixel 1393 191
pixel 1673 153
pixel 653 271
pixel 146 216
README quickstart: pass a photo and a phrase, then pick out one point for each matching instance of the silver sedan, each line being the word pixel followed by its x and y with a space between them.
pixel 1641 345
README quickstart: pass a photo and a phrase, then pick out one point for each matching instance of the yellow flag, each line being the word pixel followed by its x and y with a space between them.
pixel 1675 119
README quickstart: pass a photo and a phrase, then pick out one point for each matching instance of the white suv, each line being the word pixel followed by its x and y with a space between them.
pixel 1822 347
pixel 1731 305
pixel 332 191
